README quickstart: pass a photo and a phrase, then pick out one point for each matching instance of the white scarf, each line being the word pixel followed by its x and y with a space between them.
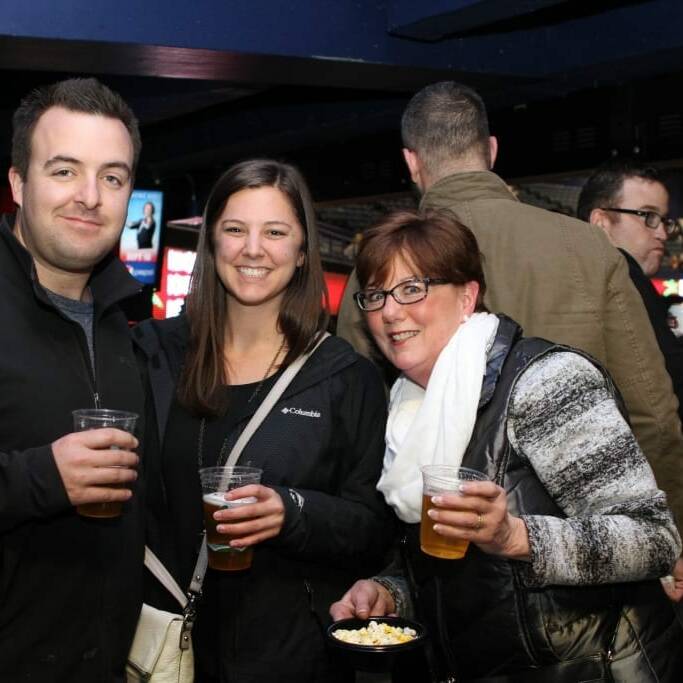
pixel 434 426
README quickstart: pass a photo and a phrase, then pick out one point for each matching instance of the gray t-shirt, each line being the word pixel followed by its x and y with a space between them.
pixel 80 312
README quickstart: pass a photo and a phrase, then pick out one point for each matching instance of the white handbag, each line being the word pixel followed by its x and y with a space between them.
pixel 162 646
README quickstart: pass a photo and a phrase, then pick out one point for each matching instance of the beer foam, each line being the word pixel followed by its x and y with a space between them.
pixel 217 498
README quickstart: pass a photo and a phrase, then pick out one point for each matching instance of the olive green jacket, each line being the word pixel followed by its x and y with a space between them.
pixel 561 279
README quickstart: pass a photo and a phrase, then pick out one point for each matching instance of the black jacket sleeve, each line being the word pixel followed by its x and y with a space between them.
pixel 354 525
pixel 30 487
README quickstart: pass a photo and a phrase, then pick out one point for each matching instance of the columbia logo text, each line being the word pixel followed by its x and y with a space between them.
pixel 298 411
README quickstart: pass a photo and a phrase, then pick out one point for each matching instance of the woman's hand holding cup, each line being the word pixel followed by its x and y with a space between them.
pixel 255 522
pixel 478 513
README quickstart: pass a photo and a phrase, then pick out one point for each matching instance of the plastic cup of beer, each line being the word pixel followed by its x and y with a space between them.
pixel 99 418
pixel 437 479
pixel 216 481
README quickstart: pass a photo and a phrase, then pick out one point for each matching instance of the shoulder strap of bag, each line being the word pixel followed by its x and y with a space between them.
pixel 156 567
pixel 256 419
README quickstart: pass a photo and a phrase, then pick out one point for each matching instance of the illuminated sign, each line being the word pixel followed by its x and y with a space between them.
pixel 175 283
pixel 672 287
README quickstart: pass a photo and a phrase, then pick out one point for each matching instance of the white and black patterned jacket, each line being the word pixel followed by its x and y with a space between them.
pixel 550 431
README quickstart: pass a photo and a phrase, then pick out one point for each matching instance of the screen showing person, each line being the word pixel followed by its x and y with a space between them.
pixel 139 244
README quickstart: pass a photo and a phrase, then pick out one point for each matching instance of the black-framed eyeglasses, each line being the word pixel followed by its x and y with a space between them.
pixel 652 219
pixel 407 292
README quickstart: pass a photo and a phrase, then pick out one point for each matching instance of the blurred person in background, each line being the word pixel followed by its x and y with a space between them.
pixel 145 226
pixel 628 200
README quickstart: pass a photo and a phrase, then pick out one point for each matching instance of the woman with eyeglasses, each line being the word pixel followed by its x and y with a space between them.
pixel 570 533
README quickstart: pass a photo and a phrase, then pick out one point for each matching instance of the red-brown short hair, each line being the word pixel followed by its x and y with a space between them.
pixel 435 243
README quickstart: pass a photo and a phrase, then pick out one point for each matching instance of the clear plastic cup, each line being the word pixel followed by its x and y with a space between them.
pixel 216 481
pixel 438 479
pixel 99 418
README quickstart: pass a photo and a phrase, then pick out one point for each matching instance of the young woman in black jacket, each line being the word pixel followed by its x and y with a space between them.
pixel 254 306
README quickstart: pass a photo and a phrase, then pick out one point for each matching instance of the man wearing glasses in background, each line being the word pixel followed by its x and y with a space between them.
pixel 630 203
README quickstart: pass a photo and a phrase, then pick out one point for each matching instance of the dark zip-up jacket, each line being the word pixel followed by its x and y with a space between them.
pixel 656 307
pixel 70 587
pixel 321 449
pixel 489 624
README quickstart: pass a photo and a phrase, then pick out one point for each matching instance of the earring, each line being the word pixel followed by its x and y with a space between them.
pixel 465 318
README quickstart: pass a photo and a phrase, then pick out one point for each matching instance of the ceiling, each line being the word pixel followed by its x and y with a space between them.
pixel 323 82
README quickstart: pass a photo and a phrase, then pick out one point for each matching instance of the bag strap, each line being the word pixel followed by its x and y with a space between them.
pixel 156 567
pixel 256 419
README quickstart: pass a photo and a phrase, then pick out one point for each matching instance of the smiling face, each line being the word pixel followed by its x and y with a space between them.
pixel 74 198
pixel 412 336
pixel 630 233
pixel 258 246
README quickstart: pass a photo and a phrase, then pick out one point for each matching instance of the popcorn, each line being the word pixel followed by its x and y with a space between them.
pixel 376 634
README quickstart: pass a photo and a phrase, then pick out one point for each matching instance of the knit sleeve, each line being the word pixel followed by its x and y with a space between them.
pixel 564 422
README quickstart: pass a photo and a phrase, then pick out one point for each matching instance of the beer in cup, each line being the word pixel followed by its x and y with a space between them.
pixel 99 418
pixel 437 479
pixel 216 481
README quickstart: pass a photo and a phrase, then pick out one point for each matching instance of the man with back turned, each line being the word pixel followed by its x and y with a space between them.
pixel 70 586
pixel 558 277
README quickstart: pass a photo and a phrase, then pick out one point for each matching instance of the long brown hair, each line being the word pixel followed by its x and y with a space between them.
pixel 302 314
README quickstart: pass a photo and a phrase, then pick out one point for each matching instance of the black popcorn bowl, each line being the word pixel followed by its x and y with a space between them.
pixel 374 658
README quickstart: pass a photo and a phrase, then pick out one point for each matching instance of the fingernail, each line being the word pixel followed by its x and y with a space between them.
pixel 437 500
pixel 462 488
pixel 431 513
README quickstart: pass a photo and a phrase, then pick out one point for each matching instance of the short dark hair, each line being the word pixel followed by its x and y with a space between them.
pixel 446 121
pixel 302 314
pixel 603 188
pixel 85 95
pixel 434 242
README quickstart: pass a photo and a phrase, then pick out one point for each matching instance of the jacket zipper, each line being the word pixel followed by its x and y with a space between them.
pixel 90 364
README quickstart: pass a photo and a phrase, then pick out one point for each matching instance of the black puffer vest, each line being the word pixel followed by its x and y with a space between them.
pixel 487 625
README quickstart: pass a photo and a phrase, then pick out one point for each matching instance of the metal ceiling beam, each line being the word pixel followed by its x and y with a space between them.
pixel 436 19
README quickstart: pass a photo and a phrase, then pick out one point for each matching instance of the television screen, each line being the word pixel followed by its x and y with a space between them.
pixel 139 245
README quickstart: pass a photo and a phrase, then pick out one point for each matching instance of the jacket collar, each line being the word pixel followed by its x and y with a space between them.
pixel 633 264
pixel 508 333
pixel 170 338
pixel 469 186
pixel 109 283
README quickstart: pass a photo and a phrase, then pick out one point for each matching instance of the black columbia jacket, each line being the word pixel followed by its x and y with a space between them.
pixel 321 448
pixel 70 587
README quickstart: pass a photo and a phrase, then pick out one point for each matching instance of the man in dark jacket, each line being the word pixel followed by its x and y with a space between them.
pixel 70 586
pixel 630 203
